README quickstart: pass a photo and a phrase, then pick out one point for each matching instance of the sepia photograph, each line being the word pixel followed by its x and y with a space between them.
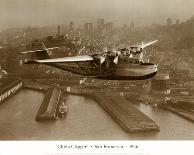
pixel 87 70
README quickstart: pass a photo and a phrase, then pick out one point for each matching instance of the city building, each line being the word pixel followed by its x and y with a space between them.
pixel 169 21
pixel 59 31
pixel 182 67
pixel 177 22
pixel 71 26
pixel 132 26
pixel 100 24
pixel 88 28
pixel 109 27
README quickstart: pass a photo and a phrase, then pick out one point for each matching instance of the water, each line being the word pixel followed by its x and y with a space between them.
pixel 172 126
pixel 85 120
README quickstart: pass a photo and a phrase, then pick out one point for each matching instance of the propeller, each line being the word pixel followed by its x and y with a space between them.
pixel 102 59
pixel 112 56
pixel 108 58
pixel 116 59
pixel 104 56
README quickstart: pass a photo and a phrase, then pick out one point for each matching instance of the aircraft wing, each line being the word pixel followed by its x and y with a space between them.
pixel 83 58
pixel 144 44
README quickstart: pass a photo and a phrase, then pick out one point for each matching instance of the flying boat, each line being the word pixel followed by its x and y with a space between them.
pixel 109 65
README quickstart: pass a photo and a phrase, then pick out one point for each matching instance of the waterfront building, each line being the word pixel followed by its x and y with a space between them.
pixel 182 67
pixel 3 73
pixel 160 84
pixel 8 88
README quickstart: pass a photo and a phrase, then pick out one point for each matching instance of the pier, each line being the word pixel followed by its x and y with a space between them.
pixel 35 86
pixel 9 88
pixel 182 113
pixel 120 109
pixel 125 114
pixel 49 107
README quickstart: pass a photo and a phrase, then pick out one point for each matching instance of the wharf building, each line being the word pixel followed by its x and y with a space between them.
pixel 160 84
pixel 8 88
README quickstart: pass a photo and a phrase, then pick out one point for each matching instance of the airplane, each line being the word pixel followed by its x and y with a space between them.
pixel 110 65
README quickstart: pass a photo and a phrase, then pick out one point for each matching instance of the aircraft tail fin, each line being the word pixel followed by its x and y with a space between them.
pixel 42 53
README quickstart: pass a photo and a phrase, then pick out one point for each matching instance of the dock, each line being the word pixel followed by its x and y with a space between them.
pixel 125 114
pixel 49 107
pixel 35 86
pixel 181 112
pixel 121 110
pixel 9 87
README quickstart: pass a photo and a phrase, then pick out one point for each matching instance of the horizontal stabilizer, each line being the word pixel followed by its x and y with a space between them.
pixel 39 50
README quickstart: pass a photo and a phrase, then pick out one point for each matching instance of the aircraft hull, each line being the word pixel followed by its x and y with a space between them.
pixel 113 77
pixel 121 72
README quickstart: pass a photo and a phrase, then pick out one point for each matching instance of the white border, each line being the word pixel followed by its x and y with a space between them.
pixel 91 147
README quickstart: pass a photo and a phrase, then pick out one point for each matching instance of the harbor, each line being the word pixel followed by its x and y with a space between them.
pixel 91 115
pixel 125 114
pixel 85 120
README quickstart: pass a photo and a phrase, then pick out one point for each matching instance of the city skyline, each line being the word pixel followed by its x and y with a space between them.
pixel 23 13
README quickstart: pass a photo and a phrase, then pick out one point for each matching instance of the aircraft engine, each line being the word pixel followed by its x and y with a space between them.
pixel 109 58
pixel 135 50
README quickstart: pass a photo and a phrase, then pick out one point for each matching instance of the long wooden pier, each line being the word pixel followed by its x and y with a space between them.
pixel 181 112
pixel 49 106
pixel 125 114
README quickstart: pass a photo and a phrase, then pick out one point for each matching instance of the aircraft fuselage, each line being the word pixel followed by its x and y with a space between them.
pixel 126 69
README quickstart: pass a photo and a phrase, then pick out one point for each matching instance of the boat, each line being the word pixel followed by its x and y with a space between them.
pixel 63 109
